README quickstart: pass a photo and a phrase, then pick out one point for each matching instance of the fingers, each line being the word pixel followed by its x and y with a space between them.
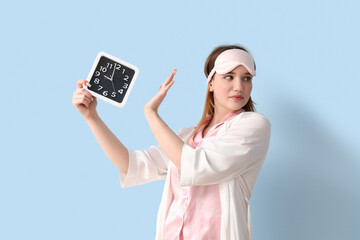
pixel 81 91
pixel 172 74
pixel 81 82
pixel 82 96
pixel 81 100
pixel 169 80
pixel 168 86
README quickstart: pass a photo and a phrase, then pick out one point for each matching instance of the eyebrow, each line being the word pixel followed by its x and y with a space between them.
pixel 245 74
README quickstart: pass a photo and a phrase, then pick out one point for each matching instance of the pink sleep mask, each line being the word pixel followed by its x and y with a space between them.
pixel 230 59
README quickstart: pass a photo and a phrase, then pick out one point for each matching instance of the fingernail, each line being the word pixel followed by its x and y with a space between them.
pixel 92 99
pixel 88 84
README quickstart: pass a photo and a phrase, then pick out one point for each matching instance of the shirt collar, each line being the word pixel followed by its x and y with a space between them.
pixel 232 114
pixel 227 117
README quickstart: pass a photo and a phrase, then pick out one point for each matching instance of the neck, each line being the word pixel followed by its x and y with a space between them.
pixel 218 117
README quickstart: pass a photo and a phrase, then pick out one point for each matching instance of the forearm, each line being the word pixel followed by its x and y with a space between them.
pixel 113 148
pixel 170 143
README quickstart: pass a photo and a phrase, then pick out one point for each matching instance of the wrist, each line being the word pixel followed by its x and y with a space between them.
pixel 150 113
pixel 91 117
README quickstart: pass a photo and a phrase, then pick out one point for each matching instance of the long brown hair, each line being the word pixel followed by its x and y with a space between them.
pixel 209 106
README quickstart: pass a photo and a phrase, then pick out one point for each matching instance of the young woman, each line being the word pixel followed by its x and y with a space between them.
pixel 210 169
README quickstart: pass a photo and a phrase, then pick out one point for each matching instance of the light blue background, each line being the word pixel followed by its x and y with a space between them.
pixel 55 181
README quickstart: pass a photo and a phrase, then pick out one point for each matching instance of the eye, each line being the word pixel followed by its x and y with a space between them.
pixel 248 79
pixel 229 77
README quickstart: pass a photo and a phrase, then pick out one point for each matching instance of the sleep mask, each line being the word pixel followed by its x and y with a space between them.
pixel 230 59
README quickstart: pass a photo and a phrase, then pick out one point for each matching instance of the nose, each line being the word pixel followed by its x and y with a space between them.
pixel 238 85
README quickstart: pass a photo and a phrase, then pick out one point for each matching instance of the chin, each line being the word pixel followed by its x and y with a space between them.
pixel 237 107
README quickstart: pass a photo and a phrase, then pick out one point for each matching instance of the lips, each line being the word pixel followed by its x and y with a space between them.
pixel 237 97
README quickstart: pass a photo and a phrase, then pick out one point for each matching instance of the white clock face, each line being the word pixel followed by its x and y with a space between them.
pixel 111 79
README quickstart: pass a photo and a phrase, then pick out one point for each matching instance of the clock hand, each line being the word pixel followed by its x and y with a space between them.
pixel 108 77
pixel 113 85
pixel 113 72
pixel 111 82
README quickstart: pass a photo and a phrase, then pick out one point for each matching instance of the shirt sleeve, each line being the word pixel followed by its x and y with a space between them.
pixel 242 147
pixel 147 165
pixel 144 166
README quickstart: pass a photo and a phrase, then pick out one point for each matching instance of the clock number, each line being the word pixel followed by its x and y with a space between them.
pixel 97 73
pixel 123 71
pixel 121 91
pixel 109 65
pixel 100 87
pixel 103 69
pixel 97 81
pixel 113 94
pixel 126 77
pixel 125 85
pixel 117 66
pixel 105 93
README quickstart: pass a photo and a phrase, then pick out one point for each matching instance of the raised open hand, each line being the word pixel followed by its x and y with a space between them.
pixel 153 104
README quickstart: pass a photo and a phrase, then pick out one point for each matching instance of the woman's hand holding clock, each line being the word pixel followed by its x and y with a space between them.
pixel 84 102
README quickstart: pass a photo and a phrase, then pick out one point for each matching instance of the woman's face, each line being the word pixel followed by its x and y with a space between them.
pixel 232 90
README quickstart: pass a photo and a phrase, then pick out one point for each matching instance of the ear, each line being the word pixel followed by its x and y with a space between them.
pixel 211 88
